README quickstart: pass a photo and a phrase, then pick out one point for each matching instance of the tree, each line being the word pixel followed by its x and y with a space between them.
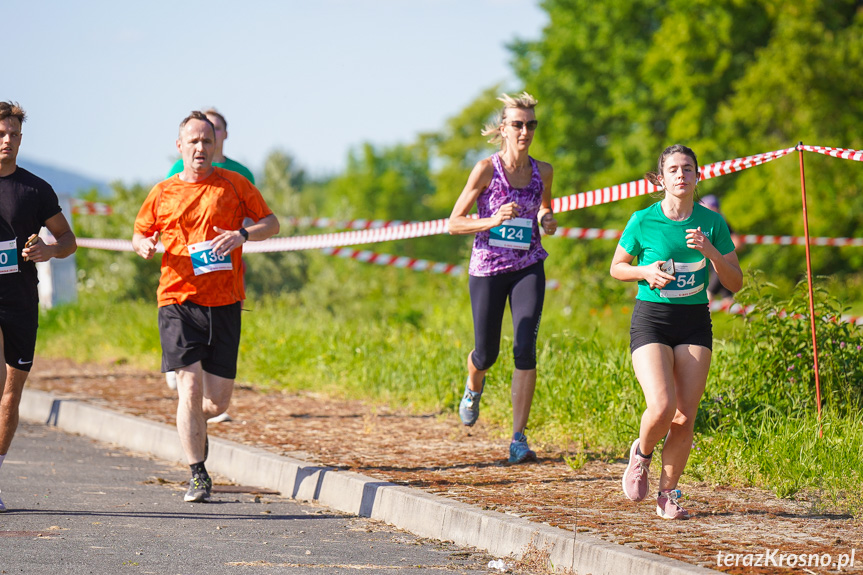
pixel 619 82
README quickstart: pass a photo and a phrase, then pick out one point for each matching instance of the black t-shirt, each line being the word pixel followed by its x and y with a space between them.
pixel 26 203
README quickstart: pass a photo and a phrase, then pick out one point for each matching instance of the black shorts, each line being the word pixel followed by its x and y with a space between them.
pixel 191 333
pixel 670 324
pixel 19 324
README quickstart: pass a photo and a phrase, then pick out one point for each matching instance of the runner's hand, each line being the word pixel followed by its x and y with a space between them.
pixel 655 277
pixel 696 240
pixel 34 250
pixel 506 213
pixel 227 241
pixel 146 248
pixel 549 224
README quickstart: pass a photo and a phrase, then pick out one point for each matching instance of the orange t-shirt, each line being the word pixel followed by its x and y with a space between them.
pixel 184 214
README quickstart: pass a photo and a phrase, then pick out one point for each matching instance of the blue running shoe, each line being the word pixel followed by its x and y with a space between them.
pixel 519 452
pixel 468 409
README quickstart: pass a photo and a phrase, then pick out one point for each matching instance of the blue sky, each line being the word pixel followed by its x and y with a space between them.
pixel 105 83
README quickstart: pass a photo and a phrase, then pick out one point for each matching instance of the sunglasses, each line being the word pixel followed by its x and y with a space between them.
pixel 531 126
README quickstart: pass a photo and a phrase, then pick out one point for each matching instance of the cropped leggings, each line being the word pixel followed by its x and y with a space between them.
pixel 525 289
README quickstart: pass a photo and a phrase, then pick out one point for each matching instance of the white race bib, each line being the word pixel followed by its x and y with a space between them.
pixel 205 261
pixel 515 233
pixel 689 279
pixel 9 257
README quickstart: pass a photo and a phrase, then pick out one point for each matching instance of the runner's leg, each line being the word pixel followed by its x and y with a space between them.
pixel 654 368
pixel 691 365
pixel 217 394
pixel 191 421
pixel 523 386
pixel 12 390
pixel 488 303
pixel 526 298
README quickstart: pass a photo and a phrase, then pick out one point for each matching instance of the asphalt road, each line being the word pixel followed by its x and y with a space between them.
pixel 78 506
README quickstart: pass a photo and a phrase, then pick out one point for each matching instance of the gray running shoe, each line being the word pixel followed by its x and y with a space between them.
pixel 468 409
pixel 199 490
pixel 2 507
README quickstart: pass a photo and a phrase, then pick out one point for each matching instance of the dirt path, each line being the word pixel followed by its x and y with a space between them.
pixel 437 454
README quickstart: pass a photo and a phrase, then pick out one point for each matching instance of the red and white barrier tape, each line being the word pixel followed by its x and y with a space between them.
pixel 344 224
pixel 110 245
pixel 85 207
pixel 642 187
pixel 395 261
pixel 842 153
pixel 374 231
pixel 726 167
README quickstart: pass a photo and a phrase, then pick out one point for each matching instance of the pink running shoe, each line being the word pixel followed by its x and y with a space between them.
pixel 635 476
pixel 667 506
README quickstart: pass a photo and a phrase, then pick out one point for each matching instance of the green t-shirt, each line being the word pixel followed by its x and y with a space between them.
pixel 228 164
pixel 651 236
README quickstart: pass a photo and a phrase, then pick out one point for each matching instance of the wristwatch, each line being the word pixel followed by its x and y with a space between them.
pixel 244 233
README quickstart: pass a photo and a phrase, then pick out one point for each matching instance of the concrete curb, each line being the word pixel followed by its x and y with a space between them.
pixel 421 513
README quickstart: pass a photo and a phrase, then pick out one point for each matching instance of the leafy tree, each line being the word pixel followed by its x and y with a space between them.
pixel 619 82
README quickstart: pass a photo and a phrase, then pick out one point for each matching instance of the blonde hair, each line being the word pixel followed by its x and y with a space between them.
pixel 524 101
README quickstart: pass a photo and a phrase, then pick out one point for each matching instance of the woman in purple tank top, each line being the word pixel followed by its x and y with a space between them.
pixel 512 192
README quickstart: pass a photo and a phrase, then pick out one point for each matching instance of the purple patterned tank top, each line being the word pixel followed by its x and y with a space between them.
pixel 489 260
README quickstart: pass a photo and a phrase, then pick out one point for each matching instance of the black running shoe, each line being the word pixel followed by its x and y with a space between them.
pixel 199 490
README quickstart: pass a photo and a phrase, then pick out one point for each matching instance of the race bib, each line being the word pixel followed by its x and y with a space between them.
pixel 514 233
pixel 205 261
pixel 9 257
pixel 689 279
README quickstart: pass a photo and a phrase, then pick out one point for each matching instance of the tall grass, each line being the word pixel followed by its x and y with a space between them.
pixel 401 338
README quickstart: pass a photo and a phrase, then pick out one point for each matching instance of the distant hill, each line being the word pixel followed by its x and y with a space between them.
pixel 63 181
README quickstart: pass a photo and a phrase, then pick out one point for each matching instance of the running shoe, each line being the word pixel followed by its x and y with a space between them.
pixel 2 507
pixel 199 490
pixel 171 379
pixel 635 476
pixel 519 452
pixel 220 418
pixel 667 506
pixel 468 409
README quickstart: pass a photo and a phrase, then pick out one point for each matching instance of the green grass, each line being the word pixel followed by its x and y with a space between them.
pixel 401 338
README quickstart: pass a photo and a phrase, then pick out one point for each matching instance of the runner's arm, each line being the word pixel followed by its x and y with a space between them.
pixel 229 240
pixel 623 270
pixel 545 216
pixel 477 182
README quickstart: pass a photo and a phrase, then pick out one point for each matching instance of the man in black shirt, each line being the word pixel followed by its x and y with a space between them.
pixel 27 203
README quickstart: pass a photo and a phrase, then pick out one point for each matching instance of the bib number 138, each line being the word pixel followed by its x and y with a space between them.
pixel 205 260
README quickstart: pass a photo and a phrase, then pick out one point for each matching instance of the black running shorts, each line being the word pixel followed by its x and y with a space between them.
pixel 19 325
pixel 190 333
pixel 670 324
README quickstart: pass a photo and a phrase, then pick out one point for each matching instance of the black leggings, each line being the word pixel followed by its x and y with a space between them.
pixel 526 292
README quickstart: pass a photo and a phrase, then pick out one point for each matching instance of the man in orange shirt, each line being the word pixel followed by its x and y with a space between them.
pixel 199 216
